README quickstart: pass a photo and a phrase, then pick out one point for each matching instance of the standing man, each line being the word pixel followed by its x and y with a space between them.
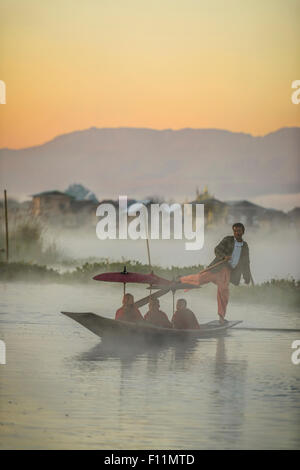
pixel 235 253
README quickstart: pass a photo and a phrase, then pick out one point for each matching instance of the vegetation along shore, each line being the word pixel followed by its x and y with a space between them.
pixel 282 292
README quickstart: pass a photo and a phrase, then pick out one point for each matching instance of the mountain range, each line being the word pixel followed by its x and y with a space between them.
pixel 141 162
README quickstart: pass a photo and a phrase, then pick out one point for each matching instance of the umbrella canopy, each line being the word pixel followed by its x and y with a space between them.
pixel 126 277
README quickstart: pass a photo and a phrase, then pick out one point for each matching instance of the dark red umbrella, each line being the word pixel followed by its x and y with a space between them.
pixel 137 278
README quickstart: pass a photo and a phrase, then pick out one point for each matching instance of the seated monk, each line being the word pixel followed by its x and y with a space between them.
pixel 156 316
pixel 128 311
pixel 183 318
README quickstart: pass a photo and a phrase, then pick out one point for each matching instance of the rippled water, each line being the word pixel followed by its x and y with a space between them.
pixel 63 388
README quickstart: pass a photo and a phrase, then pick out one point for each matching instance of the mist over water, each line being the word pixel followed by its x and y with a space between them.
pixel 273 253
pixel 62 387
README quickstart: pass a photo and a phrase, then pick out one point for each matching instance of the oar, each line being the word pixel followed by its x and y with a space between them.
pixel 148 248
pixel 220 262
pixel 156 295
pixel 213 266
pixel 161 292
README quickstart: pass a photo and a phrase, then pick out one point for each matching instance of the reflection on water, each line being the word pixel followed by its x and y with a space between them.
pixel 64 388
pixel 230 380
pixel 227 378
pixel 106 349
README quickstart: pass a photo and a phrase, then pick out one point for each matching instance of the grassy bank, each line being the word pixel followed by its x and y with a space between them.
pixel 22 271
pixel 282 292
pixel 28 240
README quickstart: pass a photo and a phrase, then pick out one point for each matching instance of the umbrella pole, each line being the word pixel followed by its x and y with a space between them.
pixel 6 224
pixel 173 293
pixel 124 288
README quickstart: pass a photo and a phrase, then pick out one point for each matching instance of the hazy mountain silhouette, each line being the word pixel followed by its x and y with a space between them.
pixel 138 161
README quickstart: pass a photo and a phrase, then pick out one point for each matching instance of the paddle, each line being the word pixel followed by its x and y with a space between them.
pixel 220 262
pixel 159 293
pixel 213 266
pixel 156 295
pixel 217 264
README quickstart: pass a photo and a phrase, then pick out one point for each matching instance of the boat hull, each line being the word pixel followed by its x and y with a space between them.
pixel 106 327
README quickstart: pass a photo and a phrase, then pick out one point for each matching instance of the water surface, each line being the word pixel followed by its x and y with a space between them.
pixel 63 388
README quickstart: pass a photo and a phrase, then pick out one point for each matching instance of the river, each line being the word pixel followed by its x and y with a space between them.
pixel 61 388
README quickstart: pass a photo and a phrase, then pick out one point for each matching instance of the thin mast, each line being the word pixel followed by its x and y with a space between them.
pixel 148 248
pixel 148 251
pixel 6 224
pixel 147 239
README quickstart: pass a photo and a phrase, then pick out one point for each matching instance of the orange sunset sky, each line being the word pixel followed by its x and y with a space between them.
pixel 71 64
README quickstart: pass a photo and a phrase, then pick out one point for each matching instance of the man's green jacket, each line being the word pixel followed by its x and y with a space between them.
pixel 225 248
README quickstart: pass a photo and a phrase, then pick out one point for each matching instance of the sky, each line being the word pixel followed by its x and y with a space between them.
pixel 70 65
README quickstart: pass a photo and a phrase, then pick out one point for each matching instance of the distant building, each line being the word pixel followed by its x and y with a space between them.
pixel 50 203
pixel 251 215
pixel 215 211
pixel 205 195
pixel 60 208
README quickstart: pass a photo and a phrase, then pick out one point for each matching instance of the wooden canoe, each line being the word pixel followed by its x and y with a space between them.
pixel 106 327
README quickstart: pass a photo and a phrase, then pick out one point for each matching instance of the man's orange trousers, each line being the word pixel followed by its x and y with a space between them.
pixel 220 278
